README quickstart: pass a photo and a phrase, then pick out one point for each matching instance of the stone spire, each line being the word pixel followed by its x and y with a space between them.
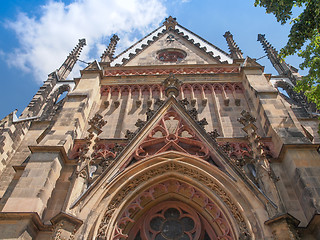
pixel 235 51
pixel 170 23
pixel 71 60
pixel 107 56
pixel 289 72
pixel 281 66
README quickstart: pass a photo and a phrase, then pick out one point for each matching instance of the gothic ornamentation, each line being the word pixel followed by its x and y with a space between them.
pixel 177 168
pixel 171 134
pixel 171 85
pixel 214 134
pixel 246 118
pixel 180 71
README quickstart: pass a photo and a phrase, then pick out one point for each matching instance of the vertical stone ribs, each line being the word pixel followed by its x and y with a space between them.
pixel 71 60
pixel 107 56
pixel 235 51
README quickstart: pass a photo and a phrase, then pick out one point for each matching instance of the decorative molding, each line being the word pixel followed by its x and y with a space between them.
pixel 176 71
pixel 180 169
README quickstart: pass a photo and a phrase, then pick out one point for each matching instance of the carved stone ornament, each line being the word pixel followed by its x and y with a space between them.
pixel 214 134
pixel 150 113
pixel 184 102
pixel 177 168
pixel 172 85
pixel 170 23
pixel 130 135
pixel 203 122
pixel 193 113
pixel 171 133
pixel 140 123
pixel 97 122
pixel 158 102
pixel 246 118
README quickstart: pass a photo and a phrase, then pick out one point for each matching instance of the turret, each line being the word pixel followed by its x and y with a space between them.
pixel 107 56
pixel 235 51
pixel 281 66
pixel 71 60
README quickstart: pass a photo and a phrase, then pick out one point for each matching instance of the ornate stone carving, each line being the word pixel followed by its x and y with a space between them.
pixel 193 113
pixel 97 122
pixel 214 134
pixel 246 118
pixel 140 123
pixel 171 133
pixel 171 85
pixel 259 168
pixel 178 168
pixel 150 113
pixel 92 162
pixel 117 148
pixel 202 122
pixel 170 23
pixel 158 102
pixel 130 135
pixel 184 102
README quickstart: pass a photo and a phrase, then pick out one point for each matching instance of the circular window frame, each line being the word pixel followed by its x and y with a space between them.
pixel 159 210
pixel 171 55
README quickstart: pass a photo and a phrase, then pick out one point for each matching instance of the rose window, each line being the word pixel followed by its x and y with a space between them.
pixel 173 223
pixel 171 55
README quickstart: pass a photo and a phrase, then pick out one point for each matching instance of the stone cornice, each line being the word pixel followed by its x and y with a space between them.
pixel 7 216
pixel 166 70
pixel 58 149
pixel 305 146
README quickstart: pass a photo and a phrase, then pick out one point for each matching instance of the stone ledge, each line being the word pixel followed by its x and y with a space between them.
pixel 285 216
pixel 305 146
pixel 59 149
pixel 62 216
pixel 34 217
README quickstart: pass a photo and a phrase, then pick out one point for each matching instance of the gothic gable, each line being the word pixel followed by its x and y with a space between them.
pixel 167 46
pixel 172 48
pixel 172 128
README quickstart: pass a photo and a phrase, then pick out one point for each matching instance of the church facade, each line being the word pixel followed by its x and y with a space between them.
pixel 174 138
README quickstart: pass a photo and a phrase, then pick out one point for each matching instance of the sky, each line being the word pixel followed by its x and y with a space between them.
pixel 37 35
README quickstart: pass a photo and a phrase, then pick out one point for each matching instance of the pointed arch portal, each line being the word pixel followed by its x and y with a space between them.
pixel 171 198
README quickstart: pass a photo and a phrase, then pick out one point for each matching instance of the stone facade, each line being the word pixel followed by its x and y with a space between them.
pixel 171 139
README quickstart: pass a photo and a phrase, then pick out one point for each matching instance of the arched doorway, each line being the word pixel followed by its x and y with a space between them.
pixel 180 183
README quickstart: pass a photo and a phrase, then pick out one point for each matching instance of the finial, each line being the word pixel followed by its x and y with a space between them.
pixel 71 60
pixel 235 51
pixel 107 56
pixel 170 23
pixel 246 118
pixel 172 85
pixel 281 67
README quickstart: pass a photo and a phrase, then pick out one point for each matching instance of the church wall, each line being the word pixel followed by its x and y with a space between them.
pixel 48 193
pixel 219 103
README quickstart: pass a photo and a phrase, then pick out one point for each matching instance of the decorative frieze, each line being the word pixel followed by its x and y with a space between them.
pixel 167 71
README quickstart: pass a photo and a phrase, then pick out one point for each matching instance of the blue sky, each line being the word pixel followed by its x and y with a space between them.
pixel 36 36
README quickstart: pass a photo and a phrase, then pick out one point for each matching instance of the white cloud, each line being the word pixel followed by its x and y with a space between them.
pixel 46 41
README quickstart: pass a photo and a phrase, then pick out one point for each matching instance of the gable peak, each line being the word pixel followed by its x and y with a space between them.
pixel 170 23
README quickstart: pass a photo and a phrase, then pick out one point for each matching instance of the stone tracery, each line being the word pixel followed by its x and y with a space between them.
pixel 173 186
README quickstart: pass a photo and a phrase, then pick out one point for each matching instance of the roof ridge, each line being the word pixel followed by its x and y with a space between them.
pixel 136 43
pixel 206 41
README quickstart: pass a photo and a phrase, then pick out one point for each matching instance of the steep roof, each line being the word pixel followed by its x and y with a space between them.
pixel 191 37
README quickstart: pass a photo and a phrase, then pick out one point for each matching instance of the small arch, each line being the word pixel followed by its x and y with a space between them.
pixel 207 88
pixel 217 88
pixel 228 88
